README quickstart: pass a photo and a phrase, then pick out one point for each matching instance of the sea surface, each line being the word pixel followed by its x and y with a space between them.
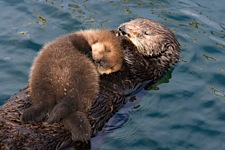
pixel 184 111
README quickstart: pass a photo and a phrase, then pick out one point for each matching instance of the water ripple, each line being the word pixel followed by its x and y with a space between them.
pixel 218 92
pixel 202 18
pixel 186 108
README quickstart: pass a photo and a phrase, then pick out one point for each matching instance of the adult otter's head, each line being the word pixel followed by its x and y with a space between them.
pixel 150 37
pixel 108 57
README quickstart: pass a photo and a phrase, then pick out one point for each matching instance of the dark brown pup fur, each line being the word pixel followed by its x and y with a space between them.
pixel 64 81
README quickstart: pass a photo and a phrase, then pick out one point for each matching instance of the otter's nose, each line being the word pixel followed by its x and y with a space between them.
pixel 122 29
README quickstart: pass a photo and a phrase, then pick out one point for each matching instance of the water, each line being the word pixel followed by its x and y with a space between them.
pixel 185 110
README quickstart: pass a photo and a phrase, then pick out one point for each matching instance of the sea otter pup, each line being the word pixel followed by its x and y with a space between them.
pixel 64 81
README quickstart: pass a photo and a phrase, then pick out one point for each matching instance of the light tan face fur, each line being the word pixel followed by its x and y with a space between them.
pixel 107 58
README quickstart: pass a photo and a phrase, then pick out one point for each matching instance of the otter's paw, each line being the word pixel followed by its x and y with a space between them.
pixel 34 114
pixel 59 112
pixel 79 126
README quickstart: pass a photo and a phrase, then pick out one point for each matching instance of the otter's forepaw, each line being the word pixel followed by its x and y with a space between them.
pixel 34 114
pixel 79 126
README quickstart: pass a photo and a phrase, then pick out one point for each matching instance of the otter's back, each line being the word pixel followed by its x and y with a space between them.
pixel 61 69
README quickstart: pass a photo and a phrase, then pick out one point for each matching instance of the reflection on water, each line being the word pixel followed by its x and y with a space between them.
pixel 217 92
pixel 185 110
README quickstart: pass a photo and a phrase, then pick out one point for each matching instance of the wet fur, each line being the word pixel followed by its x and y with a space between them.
pixel 116 90
pixel 151 38
pixel 64 80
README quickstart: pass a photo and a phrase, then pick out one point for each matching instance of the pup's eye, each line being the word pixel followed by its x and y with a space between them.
pixel 107 50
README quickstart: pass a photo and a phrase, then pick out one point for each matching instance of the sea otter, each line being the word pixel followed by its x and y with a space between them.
pixel 115 89
pixel 64 81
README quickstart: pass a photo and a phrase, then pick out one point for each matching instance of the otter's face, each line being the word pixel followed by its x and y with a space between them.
pixel 107 58
pixel 145 34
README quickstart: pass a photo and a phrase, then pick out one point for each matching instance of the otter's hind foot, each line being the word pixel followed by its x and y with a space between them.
pixel 59 112
pixel 34 114
pixel 79 126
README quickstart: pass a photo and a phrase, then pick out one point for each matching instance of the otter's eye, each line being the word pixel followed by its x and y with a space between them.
pixel 146 32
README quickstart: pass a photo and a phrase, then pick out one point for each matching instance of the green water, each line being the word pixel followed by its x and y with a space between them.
pixel 185 111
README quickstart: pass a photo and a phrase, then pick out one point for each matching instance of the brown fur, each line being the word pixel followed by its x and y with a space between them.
pixel 107 54
pixel 151 38
pixel 64 81
pixel 106 61
pixel 116 90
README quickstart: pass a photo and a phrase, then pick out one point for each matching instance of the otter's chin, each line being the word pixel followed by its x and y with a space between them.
pixel 102 71
pixel 107 70
pixel 142 46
